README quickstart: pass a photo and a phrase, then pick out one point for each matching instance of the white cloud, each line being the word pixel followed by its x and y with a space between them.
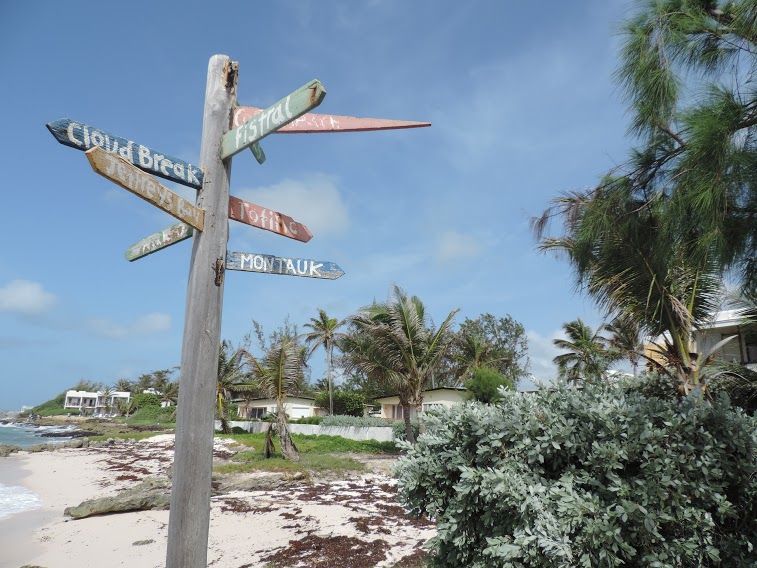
pixel 541 351
pixel 314 201
pixel 147 324
pixel 452 246
pixel 26 298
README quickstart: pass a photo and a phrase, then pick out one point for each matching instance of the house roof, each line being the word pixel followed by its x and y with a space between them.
pixel 453 389
pixel 270 398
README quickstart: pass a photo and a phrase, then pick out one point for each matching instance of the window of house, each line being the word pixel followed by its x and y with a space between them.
pixel 731 351
pixel 750 346
pixel 257 412
pixel 397 411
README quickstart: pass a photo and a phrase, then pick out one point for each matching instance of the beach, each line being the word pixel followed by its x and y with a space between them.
pixel 350 522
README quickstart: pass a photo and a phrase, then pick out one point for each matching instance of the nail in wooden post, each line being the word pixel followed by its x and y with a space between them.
pixel 189 518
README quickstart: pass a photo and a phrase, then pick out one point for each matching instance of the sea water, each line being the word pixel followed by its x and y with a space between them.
pixel 15 498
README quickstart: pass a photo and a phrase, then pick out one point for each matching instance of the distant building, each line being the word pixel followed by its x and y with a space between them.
pixel 294 406
pixel 741 349
pixel 93 403
pixel 391 409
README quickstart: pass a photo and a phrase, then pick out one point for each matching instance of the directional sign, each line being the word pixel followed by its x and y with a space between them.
pixel 160 240
pixel 83 137
pixel 145 186
pixel 268 220
pixel 311 122
pixel 271 119
pixel 253 262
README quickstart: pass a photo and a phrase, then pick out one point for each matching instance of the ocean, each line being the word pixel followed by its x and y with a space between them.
pixel 16 499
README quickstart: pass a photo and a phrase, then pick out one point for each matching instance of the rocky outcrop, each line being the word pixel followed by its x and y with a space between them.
pixel 8 449
pixel 256 481
pixel 152 494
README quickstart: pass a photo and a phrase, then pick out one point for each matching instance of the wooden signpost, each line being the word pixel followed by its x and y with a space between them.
pixel 160 240
pixel 268 264
pixel 83 137
pixel 263 218
pixel 271 119
pixel 316 123
pixel 125 162
pixel 121 172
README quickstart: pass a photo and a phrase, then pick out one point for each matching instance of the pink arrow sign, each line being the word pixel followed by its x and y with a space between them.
pixel 311 122
pixel 268 220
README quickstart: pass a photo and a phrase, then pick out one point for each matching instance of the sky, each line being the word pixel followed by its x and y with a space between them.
pixel 523 107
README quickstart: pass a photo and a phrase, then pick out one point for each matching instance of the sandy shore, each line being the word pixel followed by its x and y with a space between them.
pixel 352 523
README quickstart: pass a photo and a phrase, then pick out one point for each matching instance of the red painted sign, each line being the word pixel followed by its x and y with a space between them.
pixel 311 122
pixel 268 220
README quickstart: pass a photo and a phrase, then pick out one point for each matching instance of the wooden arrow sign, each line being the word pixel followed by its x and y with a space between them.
pixel 271 119
pixel 268 220
pixel 253 262
pixel 160 240
pixel 311 122
pixel 121 172
pixel 84 137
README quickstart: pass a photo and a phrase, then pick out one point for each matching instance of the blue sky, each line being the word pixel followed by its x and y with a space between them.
pixel 522 104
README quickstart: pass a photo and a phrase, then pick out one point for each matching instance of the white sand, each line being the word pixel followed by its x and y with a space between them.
pixel 262 523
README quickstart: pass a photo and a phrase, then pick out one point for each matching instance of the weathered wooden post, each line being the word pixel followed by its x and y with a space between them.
pixel 132 165
pixel 189 519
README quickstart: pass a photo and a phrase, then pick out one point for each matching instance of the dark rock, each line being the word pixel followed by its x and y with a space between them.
pixel 8 449
pixel 152 494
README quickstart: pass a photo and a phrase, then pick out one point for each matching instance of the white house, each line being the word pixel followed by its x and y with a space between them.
pixel 93 402
pixel 294 406
pixel 432 398
pixel 742 349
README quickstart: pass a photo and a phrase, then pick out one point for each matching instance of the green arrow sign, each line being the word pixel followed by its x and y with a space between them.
pixel 271 119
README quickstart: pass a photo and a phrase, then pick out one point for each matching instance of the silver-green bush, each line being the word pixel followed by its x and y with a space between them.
pixel 598 477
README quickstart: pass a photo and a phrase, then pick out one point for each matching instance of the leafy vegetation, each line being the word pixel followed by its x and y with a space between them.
pixel 592 477
pixel 342 403
pixel 485 383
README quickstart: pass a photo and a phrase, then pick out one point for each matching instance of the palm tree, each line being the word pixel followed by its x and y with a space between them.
pixel 105 394
pixel 324 335
pixel 170 393
pixel 277 373
pixel 626 340
pixel 124 385
pixel 396 342
pixel 233 374
pixel 471 351
pixel 587 358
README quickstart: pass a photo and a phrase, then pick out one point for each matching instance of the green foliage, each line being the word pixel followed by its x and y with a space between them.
pixel 592 477
pixel 488 341
pixel 345 403
pixel 485 384
pixel 53 407
pixel 399 429
pixel 307 420
pixel 653 385
pixel 144 400
pixel 325 444
pixel 152 414
pixel 358 421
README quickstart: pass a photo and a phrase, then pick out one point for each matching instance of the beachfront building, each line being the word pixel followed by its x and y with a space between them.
pixel 391 409
pixel 93 403
pixel 294 406
pixel 742 348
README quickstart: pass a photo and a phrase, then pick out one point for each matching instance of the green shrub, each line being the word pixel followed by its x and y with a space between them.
pixel 345 403
pixel 53 407
pixel 596 477
pixel 398 428
pixel 359 421
pixel 145 399
pixel 153 414
pixel 656 385
pixel 485 383
pixel 307 420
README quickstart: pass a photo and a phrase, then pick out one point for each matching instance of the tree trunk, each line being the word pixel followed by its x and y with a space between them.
pixel 288 449
pixel 328 379
pixel 268 449
pixel 409 434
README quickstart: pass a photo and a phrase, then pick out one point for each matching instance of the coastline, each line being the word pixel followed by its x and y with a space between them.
pixel 356 520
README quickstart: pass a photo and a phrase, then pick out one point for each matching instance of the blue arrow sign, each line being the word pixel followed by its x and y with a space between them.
pixel 254 262
pixel 84 137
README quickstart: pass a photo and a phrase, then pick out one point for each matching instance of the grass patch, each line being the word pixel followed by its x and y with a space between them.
pixel 245 462
pixel 310 444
